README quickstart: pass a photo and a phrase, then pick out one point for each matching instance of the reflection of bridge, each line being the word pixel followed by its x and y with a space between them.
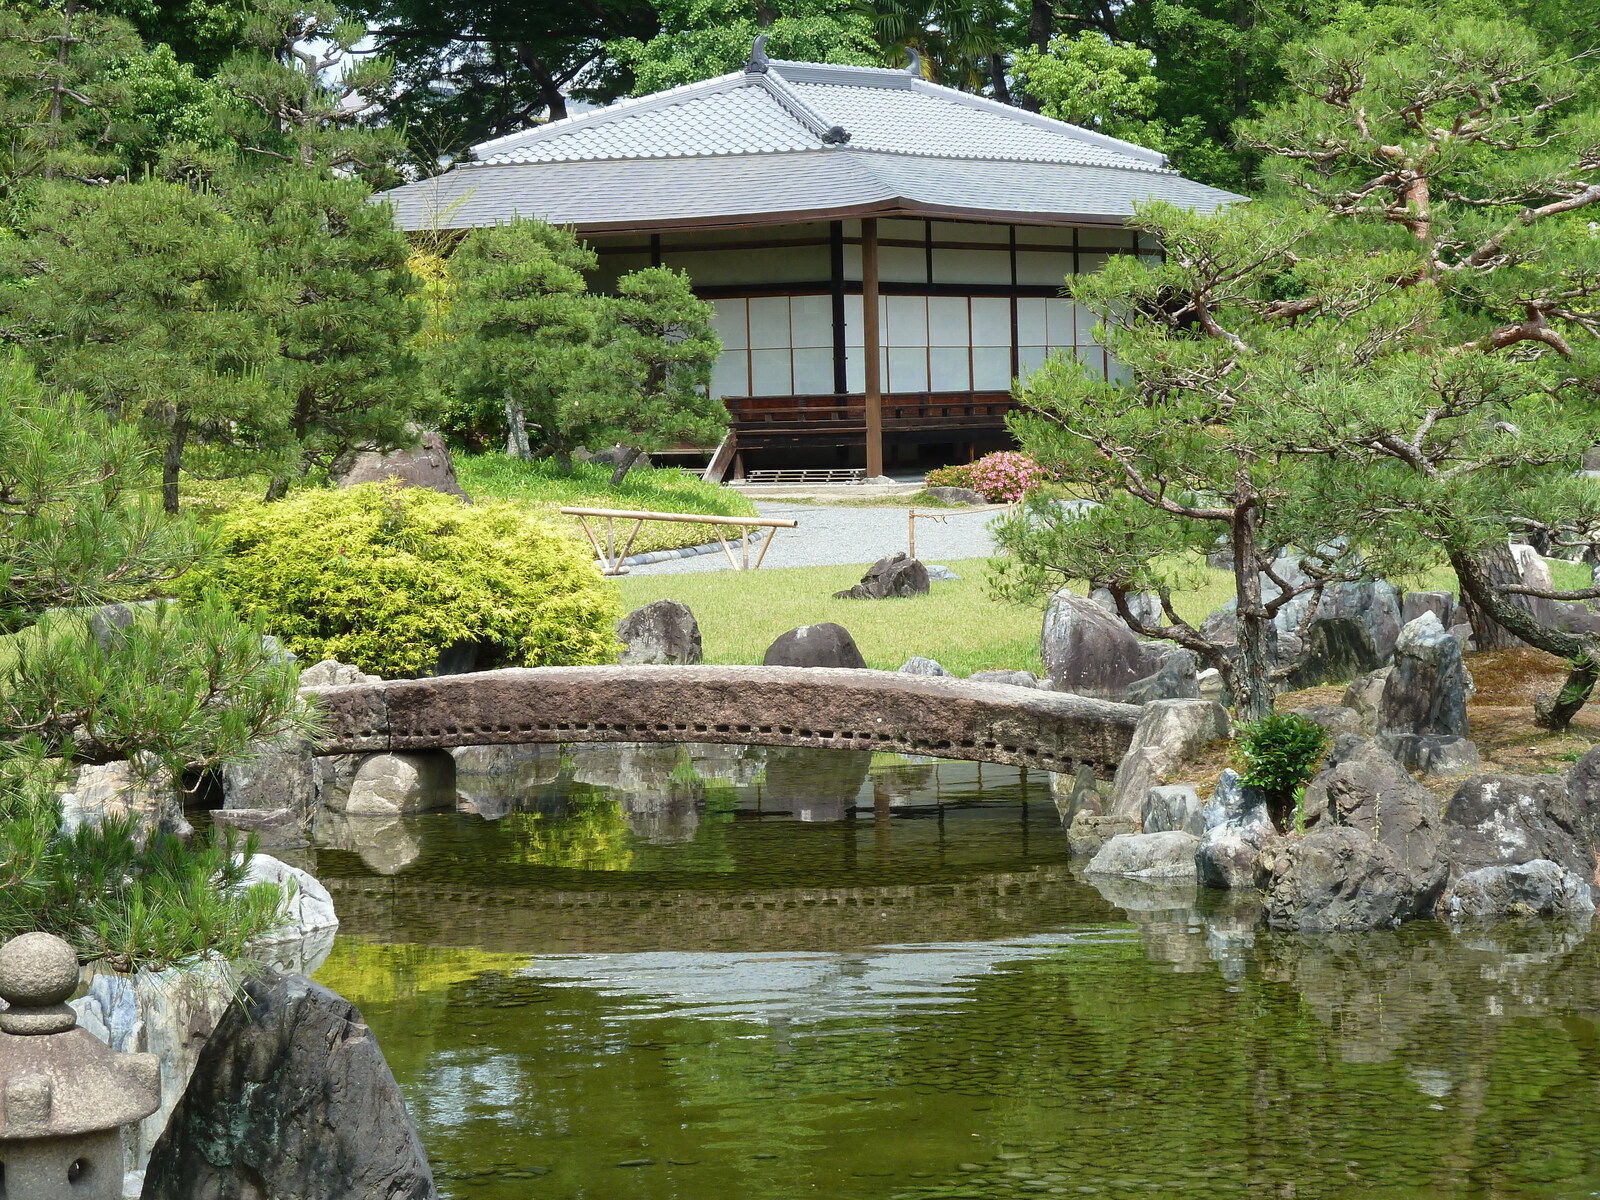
pixel 768 706
pixel 531 920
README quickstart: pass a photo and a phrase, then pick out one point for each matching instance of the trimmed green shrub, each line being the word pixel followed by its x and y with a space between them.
pixel 387 577
pixel 1282 752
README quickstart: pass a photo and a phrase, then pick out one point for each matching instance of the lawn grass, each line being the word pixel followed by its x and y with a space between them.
pixel 959 624
pixel 542 485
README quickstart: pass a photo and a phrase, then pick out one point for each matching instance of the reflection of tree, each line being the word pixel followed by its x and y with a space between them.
pixel 591 835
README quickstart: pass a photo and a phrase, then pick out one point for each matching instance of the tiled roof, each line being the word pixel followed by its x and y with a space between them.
pixel 796 138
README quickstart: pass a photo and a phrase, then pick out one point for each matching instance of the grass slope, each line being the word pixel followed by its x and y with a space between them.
pixel 541 485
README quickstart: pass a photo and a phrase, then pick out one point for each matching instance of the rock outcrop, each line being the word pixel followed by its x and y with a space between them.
pixel 1426 692
pixel 291 1099
pixel 896 577
pixel 660 633
pixel 1168 733
pixel 400 783
pixel 1089 651
pixel 822 645
pixel 1147 856
pixel 1537 888
pixel 426 465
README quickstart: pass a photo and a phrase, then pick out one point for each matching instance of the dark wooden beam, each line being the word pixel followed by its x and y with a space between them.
pixel 869 345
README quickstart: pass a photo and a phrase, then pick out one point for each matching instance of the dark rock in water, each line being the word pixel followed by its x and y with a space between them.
pixel 824 645
pixel 1337 649
pixel 894 578
pixel 290 1100
pixel 1176 679
pixel 1507 820
pixel 1427 690
pixel 662 632
pixel 1440 604
pixel 1088 651
pixel 427 465
pixel 1371 858
pixel 1337 878
pixel 957 495
pixel 1539 888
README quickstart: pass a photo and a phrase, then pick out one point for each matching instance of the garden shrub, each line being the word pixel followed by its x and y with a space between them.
pixel 1003 477
pixel 1282 752
pixel 387 577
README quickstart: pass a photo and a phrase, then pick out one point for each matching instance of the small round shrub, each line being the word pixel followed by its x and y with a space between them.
pixel 1282 752
pixel 387 577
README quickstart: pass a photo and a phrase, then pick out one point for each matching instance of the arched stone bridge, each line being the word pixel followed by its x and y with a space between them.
pixel 831 708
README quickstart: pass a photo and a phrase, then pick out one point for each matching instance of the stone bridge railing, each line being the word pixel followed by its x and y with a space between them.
pixel 828 708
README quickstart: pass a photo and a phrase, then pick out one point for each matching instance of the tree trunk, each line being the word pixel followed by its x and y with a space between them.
pixel 277 487
pixel 1252 684
pixel 1478 579
pixel 1498 568
pixel 997 77
pixel 172 459
pixel 517 435
pixel 629 457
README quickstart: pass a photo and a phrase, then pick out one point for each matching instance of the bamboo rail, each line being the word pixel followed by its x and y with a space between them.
pixel 610 558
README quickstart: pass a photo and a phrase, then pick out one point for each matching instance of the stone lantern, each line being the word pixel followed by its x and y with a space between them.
pixel 64 1096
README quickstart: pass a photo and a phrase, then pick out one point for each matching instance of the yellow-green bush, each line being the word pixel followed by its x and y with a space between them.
pixel 387 577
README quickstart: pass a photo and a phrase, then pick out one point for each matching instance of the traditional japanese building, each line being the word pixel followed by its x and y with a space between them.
pixel 885 255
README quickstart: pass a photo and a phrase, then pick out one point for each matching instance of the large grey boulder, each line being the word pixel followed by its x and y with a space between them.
pixel 1091 830
pixel 303 938
pixel 290 1100
pixel 1508 820
pixel 823 645
pixel 1025 679
pixel 1169 732
pixel 1340 879
pixel 1175 679
pixel 330 672
pixel 1373 604
pixel 957 495
pixel 1433 753
pixel 1077 793
pixel 1337 649
pixel 918 665
pixel 1088 651
pixel 1371 858
pixel 1147 856
pixel 1173 808
pixel 399 783
pixel 1580 812
pixel 1238 830
pixel 425 465
pixel 664 632
pixel 1364 697
pixel 896 577
pixel 120 790
pixel 1145 606
pixel 1428 688
pixel 279 778
pixel 1440 604
pixel 1539 888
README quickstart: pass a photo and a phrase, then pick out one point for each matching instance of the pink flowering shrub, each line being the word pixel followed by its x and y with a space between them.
pixel 1003 477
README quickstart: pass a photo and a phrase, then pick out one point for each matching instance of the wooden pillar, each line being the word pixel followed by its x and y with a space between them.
pixel 870 343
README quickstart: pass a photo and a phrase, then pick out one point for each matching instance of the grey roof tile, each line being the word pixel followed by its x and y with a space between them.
pixel 737 148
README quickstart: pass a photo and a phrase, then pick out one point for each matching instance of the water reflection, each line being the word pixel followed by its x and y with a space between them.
pixel 671 979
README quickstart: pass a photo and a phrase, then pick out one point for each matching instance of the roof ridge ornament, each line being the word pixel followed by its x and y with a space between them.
pixel 760 70
pixel 758 57
pixel 914 67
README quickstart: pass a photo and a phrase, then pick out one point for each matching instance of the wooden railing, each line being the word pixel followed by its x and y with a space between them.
pixel 848 413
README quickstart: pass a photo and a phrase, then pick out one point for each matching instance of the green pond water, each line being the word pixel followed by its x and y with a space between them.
pixel 826 976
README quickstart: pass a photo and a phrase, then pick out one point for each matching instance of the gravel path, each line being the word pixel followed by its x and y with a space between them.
pixel 829 535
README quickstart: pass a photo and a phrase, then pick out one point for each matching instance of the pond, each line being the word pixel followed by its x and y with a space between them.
pixel 692 973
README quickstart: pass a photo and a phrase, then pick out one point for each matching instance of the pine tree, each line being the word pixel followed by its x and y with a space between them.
pixel 178 689
pixel 661 340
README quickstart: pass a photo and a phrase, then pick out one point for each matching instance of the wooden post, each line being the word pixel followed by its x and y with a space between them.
pixel 870 345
